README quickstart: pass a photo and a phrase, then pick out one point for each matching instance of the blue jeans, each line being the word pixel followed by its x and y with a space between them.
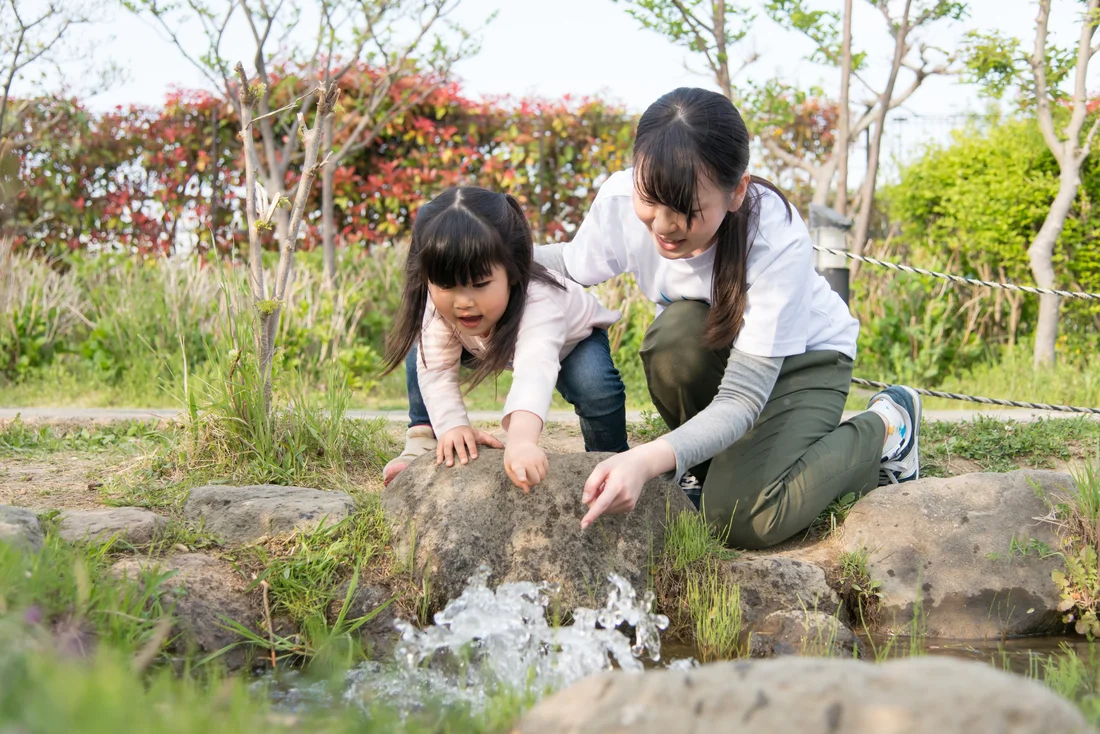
pixel 588 380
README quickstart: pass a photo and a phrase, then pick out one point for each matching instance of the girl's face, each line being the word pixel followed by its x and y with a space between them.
pixel 474 309
pixel 669 228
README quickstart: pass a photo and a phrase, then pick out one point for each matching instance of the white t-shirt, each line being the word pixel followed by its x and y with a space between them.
pixel 554 321
pixel 790 308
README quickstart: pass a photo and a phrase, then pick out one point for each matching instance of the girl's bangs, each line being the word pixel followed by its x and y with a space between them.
pixel 666 169
pixel 458 250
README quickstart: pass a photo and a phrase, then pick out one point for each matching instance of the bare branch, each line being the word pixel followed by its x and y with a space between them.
pixel 1039 74
pixel 1087 147
pixel 284 108
pixel 326 103
pixel 1080 89
pixel 696 26
pixel 790 158
pixel 251 164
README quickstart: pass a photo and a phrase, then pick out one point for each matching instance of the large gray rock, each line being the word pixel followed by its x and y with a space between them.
pixel 20 526
pixel 243 514
pixel 810 696
pixel 462 517
pixel 131 524
pixel 207 592
pixel 798 632
pixel 948 544
pixel 776 583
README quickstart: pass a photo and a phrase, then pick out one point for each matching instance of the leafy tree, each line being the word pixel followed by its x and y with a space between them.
pixel 1053 81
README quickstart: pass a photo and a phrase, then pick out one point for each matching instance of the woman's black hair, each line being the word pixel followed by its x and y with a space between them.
pixel 685 134
pixel 458 238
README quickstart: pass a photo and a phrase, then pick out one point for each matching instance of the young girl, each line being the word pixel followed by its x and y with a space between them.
pixel 474 295
pixel 750 356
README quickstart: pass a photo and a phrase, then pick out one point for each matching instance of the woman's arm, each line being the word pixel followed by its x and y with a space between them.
pixel 745 388
pixel 616 483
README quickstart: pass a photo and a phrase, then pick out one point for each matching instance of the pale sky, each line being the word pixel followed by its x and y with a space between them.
pixel 592 47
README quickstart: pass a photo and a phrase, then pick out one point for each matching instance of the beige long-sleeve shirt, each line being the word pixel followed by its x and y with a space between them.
pixel 554 321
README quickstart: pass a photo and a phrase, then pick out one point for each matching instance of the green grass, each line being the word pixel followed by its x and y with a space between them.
pixel 999 446
pixel 47 692
pixel 17 438
pixel 68 594
pixel 858 591
pixel 1072 677
pixel 690 539
pixel 715 608
pixel 305 573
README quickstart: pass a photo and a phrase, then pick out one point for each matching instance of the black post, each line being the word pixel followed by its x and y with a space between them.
pixel 829 229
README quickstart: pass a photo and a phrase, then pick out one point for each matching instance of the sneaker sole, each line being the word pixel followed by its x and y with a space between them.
pixel 919 409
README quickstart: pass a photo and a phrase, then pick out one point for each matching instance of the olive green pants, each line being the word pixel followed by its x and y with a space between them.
pixel 798 457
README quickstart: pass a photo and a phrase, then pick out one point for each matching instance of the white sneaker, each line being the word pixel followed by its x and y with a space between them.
pixel 419 440
pixel 906 466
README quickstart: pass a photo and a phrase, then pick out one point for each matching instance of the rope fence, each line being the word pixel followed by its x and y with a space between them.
pixel 959 278
pixel 970 281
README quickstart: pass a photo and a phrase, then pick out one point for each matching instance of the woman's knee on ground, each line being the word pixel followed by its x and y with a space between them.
pixel 743 530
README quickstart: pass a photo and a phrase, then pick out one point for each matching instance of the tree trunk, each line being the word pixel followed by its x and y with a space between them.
pixel 328 224
pixel 1041 257
pixel 844 118
pixel 725 84
pixel 867 191
pixel 822 177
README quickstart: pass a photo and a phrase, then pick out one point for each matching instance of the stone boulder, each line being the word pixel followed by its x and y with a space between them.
pixel 461 517
pixel 239 515
pixel 21 527
pixel 809 633
pixel 206 591
pixel 776 583
pixel 131 524
pixel 809 696
pixel 953 546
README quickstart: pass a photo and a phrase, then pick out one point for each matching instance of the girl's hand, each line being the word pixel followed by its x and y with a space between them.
pixel 460 439
pixel 616 483
pixel 525 463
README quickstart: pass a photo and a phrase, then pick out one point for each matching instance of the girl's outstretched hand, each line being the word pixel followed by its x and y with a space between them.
pixel 525 463
pixel 616 483
pixel 462 441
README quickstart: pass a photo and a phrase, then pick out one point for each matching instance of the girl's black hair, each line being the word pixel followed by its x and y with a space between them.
pixel 457 239
pixel 685 134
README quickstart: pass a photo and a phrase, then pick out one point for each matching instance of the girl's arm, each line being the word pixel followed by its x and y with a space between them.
pixel 535 369
pixel 437 372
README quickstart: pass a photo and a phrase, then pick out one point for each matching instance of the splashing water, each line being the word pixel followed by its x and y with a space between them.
pixel 488 641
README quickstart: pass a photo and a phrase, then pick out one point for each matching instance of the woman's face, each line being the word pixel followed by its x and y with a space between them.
pixel 671 234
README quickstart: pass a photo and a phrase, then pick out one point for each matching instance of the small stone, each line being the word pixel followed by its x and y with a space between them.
pixel 21 527
pixel 777 583
pixel 240 515
pixel 798 632
pixel 207 591
pixel 131 524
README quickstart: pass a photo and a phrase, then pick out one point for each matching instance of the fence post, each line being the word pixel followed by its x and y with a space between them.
pixel 829 229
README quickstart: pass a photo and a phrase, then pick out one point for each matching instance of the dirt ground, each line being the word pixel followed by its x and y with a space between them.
pixel 57 481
